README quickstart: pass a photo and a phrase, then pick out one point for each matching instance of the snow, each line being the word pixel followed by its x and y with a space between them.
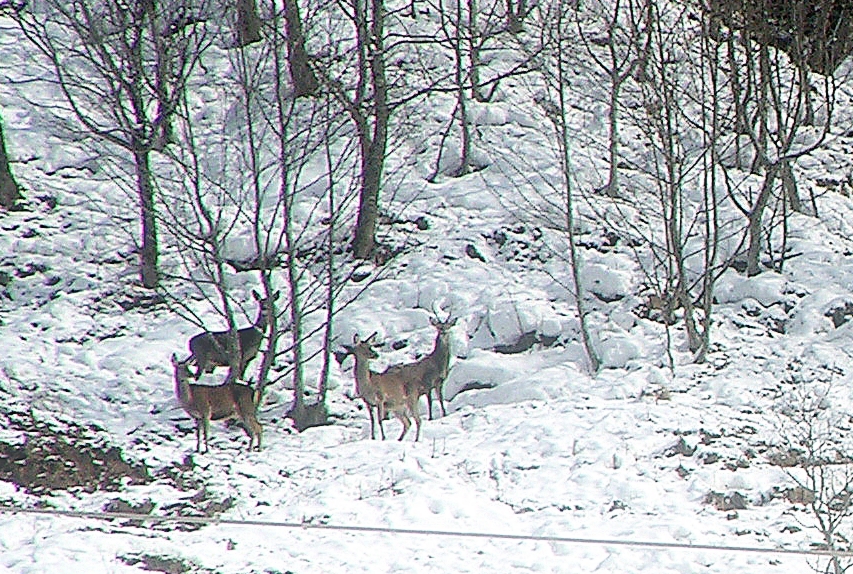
pixel 533 443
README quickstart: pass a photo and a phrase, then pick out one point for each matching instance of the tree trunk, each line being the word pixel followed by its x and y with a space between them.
pixel 474 43
pixel 515 16
pixel 304 81
pixel 248 23
pixel 753 252
pixel 461 99
pixel 10 193
pixel 789 186
pixel 149 250
pixel 374 145
pixel 612 189
pixel 368 209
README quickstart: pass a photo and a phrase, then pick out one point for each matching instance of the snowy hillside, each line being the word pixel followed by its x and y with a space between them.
pixel 652 448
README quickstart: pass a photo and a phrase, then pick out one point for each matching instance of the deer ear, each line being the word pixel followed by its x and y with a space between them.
pixel 356 339
pixel 275 295
pixel 433 321
pixel 371 340
pixel 453 322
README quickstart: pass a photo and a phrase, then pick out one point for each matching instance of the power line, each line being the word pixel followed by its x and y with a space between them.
pixel 305 525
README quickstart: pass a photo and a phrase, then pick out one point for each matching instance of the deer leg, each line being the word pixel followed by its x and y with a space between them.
pixel 372 421
pixel 254 430
pixel 380 418
pixel 259 433
pixel 206 428
pixel 380 415
pixel 406 424
pixel 417 416
pixel 440 391
pixel 198 435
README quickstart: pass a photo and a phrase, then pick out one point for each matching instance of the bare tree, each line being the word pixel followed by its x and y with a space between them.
pixel 680 117
pixel 366 102
pixel 774 94
pixel 244 200
pixel 121 69
pixel 561 125
pixel 466 30
pixel 669 167
pixel 553 201
pixel 818 459
pixel 625 40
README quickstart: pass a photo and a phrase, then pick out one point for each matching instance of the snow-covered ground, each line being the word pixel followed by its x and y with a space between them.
pixel 533 444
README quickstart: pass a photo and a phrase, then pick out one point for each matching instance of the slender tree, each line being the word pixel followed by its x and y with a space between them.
pixel 122 69
pixel 370 112
pixel 775 95
pixel 625 41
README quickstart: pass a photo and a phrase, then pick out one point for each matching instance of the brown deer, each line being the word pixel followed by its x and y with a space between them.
pixel 206 403
pixel 210 349
pixel 363 388
pixel 431 371
pixel 392 392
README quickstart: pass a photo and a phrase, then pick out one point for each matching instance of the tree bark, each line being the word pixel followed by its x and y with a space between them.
pixel 373 144
pixel 149 251
pixel 515 16
pixel 10 193
pixel 753 251
pixel 304 80
pixel 248 23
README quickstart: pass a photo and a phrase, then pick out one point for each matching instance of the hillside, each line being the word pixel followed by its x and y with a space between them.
pixel 652 448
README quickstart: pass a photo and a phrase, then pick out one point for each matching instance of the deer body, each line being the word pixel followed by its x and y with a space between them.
pixel 223 402
pixel 211 349
pixel 431 371
pixel 392 391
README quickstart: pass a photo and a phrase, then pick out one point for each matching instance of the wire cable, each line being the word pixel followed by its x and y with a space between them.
pixel 308 525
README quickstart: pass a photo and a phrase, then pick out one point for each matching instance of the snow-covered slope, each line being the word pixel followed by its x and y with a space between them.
pixel 533 444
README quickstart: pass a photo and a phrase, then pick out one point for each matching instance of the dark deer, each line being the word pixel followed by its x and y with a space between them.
pixel 431 371
pixel 223 402
pixel 393 392
pixel 210 349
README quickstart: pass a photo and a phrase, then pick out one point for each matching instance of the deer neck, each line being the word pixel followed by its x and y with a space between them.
pixel 441 350
pixel 182 388
pixel 362 375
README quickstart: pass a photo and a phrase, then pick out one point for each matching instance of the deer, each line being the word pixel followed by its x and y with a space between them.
pixel 431 371
pixel 210 349
pixel 206 403
pixel 363 388
pixel 393 392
